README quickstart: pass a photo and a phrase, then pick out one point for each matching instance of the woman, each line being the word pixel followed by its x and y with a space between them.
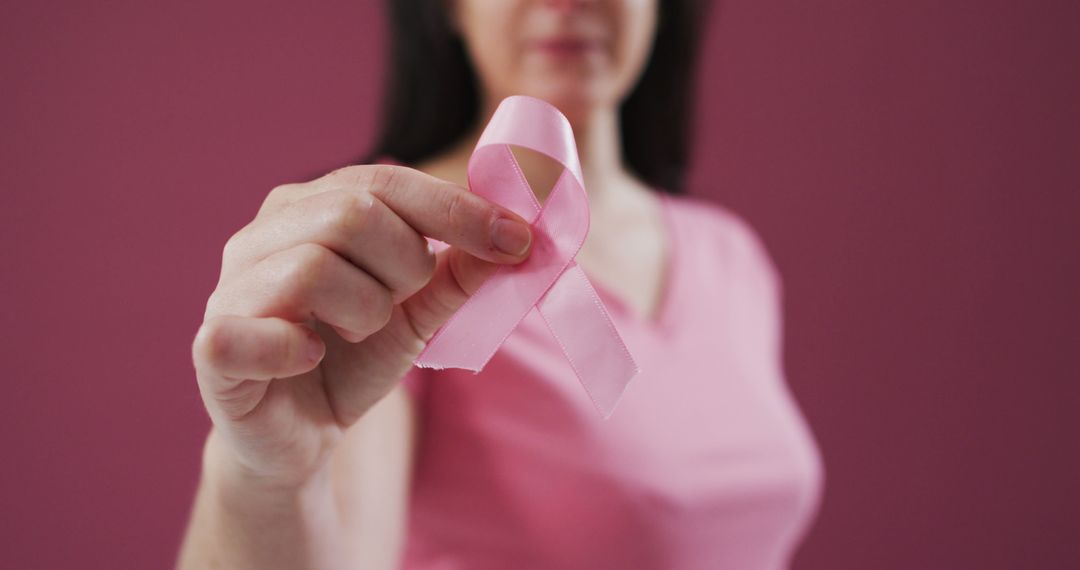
pixel 329 450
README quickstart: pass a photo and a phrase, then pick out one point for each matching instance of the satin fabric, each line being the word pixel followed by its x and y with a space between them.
pixel 549 281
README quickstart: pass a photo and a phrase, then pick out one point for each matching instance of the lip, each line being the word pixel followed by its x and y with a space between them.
pixel 566 46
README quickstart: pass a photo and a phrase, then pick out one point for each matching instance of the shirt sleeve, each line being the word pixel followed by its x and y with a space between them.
pixel 755 276
pixel 762 286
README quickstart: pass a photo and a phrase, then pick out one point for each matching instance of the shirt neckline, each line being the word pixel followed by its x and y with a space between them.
pixel 660 318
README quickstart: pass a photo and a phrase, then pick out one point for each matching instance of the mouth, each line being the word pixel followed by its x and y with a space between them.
pixel 566 46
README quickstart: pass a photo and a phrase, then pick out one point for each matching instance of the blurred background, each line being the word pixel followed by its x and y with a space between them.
pixel 913 167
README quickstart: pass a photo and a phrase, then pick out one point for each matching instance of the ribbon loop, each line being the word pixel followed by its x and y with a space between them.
pixel 549 280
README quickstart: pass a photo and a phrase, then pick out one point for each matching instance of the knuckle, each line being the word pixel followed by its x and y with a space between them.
pixel 348 173
pixel 213 344
pixel 456 211
pixel 234 245
pixel 380 307
pixel 423 273
pixel 306 266
pixel 279 194
pixel 281 190
pixel 428 265
pixel 349 212
pixel 215 303
pixel 351 335
pixel 287 196
pixel 382 177
pixel 374 310
pixel 370 177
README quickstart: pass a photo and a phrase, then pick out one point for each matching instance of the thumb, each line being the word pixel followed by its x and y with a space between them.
pixel 457 276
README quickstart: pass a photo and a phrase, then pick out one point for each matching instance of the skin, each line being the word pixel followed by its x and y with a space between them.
pixel 327 296
pixel 625 248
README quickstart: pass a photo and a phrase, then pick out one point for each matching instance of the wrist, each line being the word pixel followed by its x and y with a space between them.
pixel 239 485
pixel 256 521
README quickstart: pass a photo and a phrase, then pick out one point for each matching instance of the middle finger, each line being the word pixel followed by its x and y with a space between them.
pixel 354 224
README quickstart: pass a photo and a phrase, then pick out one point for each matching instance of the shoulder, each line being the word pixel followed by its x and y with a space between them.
pixel 723 235
pixel 724 247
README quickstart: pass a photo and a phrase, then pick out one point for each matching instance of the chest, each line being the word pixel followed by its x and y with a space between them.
pixel 705 450
pixel 709 413
pixel 630 261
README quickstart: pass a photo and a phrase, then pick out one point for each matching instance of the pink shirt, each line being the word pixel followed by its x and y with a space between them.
pixel 706 462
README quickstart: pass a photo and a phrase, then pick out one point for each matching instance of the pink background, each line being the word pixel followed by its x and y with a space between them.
pixel 913 166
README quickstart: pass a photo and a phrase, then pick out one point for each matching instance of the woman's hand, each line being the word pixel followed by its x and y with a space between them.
pixel 324 301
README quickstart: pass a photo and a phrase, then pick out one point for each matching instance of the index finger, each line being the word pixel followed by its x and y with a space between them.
pixel 436 208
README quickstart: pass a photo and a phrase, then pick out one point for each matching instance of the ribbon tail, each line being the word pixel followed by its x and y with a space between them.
pixel 474 333
pixel 577 319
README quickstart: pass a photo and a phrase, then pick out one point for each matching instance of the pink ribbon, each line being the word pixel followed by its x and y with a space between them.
pixel 549 280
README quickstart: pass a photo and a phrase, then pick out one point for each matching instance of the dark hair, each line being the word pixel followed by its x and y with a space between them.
pixel 431 96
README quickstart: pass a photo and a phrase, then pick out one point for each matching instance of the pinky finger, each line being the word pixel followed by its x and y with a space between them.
pixel 229 347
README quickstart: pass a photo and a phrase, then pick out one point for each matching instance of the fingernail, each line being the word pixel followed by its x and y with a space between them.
pixel 511 236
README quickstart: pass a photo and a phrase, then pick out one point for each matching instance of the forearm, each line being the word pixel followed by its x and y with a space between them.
pixel 239 523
